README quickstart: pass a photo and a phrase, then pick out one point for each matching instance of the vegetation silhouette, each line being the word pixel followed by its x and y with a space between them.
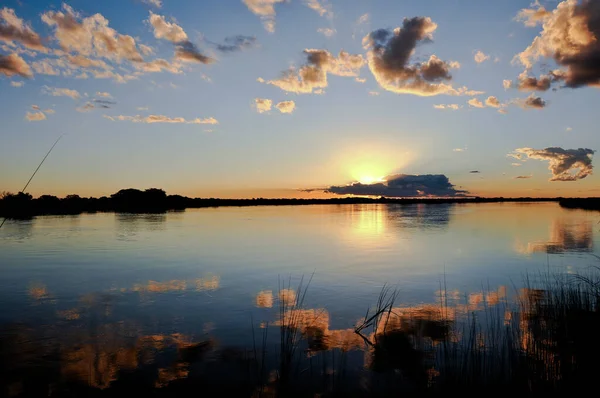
pixel 154 200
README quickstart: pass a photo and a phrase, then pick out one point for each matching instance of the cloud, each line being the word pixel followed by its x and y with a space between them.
pixel 363 19
pixel 522 177
pixel 474 172
pixel 237 43
pixel 459 149
pixel 166 30
pixel 532 17
pixel 328 32
pixel 531 83
pixel 531 102
pixel 480 57
pixel 373 93
pixel 265 9
pixel 103 94
pixel 263 105
pixel 286 106
pixel 17 84
pixel 565 164
pixel 90 36
pixel 87 107
pixel 49 111
pixel 453 107
pixel 389 53
pixel 402 185
pixel 313 75
pixel 35 116
pixel 61 92
pixel 45 67
pixel 12 28
pixel 516 164
pixel 321 7
pixel 493 102
pixel 474 102
pixel 569 129
pixel 360 80
pixel 161 119
pixel 155 3
pixel 146 50
pixel 185 50
pixel 570 37
pixel 160 65
pixel 11 65
pixel 142 108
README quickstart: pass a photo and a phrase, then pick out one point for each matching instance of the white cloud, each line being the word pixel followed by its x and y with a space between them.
pixel 481 57
pixel 35 116
pixel 265 9
pixel 61 92
pixel 286 106
pixel 328 32
pixel 263 105
pixel 161 119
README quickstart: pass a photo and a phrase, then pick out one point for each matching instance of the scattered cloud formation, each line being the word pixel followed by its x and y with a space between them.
pixel 265 9
pixel 35 116
pixel 402 185
pixel 237 43
pixel 286 106
pixel 481 57
pixel 61 92
pixel 453 107
pixel 313 75
pixel 474 102
pixel 565 164
pixel 531 83
pixel 90 36
pixel 161 119
pixel 570 37
pixel 389 53
pixel 45 67
pixel 11 65
pixel 263 105
pixel 17 84
pixel 12 28
pixel 328 32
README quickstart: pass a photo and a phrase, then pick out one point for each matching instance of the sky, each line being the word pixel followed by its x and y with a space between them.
pixel 301 98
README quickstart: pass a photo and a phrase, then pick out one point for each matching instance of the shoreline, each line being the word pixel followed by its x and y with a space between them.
pixel 23 205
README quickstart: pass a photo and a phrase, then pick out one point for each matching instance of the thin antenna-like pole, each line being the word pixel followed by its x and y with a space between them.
pixel 35 172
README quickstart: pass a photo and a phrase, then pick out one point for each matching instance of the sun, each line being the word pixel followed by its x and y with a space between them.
pixel 368 180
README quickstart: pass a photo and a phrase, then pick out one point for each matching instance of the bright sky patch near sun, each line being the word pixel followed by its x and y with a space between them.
pixel 329 96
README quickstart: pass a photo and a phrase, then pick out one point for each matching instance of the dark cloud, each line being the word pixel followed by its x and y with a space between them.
pixel 402 185
pixel 563 162
pixel 522 177
pixel 570 36
pixel 531 102
pixel 12 64
pixel 237 43
pixel 474 171
pixel 389 53
pixel 187 51
pixel 12 28
pixel 104 102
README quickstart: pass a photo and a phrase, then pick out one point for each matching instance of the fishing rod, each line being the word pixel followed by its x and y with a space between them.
pixel 36 170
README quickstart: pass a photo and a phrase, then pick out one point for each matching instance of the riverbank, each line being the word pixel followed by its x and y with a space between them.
pixel 153 200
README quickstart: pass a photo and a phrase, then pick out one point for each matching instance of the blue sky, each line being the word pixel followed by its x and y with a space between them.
pixel 354 129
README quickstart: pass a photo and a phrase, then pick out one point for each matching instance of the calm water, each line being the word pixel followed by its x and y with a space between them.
pixel 213 273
